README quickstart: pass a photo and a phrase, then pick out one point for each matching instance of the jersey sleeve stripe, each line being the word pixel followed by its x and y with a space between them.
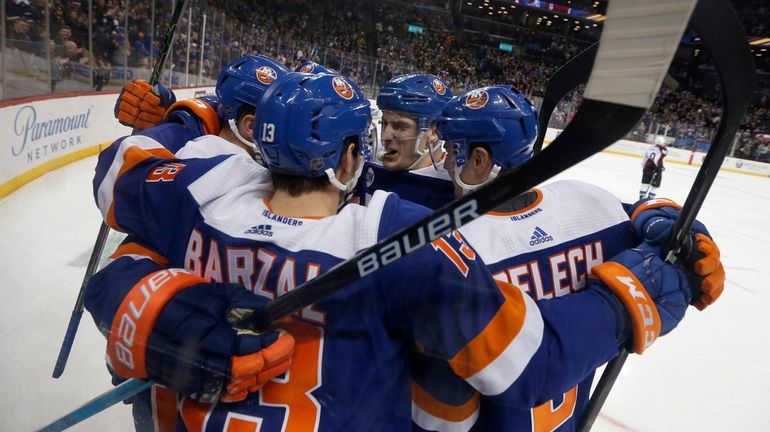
pixel 424 404
pixel 139 252
pixel 426 421
pixel 496 357
pixel 131 151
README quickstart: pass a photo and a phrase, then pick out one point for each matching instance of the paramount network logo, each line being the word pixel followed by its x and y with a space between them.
pixel 539 236
pixel 265 230
pixel 27 126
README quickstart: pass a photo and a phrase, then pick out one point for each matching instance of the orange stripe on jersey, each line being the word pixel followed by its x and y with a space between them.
pixel 135 155
pixel 653 204
pixel 538 198
pixel 111 218
pixel 436 408
pixel 137 249
pixel 135 318
pixel 203 111
pixel 501 330
pixel 164 409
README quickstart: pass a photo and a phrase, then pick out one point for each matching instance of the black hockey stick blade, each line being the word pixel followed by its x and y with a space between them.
pixel 625 79
pixel 717 24
pixel 565 79
pixel 101 238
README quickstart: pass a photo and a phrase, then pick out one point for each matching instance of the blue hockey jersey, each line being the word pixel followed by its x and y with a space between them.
pixel 430 187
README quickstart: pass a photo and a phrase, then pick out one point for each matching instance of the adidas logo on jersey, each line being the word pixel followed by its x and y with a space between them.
pixel 539 236
pixel 265 230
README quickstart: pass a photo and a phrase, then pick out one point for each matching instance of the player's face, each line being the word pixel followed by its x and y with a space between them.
pixel 399 132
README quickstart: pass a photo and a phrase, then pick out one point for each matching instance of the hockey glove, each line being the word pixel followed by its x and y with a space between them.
pixel 654 294
pixel 139 107
pixel 654 220
pixel 173 329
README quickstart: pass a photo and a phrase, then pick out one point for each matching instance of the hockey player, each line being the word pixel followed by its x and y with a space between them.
pixel 652 169
pixel 530 243
pixel 203 216
pixel 191 129
pixel 239 87
pixel 409 156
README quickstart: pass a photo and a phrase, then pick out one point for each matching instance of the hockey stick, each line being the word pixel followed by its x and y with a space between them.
pixel 735 67
pixel 606 115
pixel 101 238
pixel 565 79
pixel 117 394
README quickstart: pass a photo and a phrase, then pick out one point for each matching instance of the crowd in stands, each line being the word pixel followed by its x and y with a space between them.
pixel 755 16
pixel 369 43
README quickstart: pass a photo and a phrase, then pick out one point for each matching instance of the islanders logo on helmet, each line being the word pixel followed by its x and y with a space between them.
pixel 439 86
pixel 307 68
pixel 266 75
pixel 343 88
pixel 477 99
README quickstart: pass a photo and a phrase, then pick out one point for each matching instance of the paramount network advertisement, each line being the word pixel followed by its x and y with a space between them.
pixel 38 132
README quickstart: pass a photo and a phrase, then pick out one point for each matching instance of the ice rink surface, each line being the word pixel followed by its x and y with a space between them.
pixel 711 374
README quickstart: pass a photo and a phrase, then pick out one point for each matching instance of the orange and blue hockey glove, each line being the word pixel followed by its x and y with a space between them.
pixel 139 107
pixel 653 220
pixel 653 293
pixel 173 328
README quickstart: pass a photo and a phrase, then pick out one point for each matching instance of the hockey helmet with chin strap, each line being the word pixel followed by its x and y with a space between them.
pixel 420 95
pixel 498 116
pixel 243 82
pixel 304 121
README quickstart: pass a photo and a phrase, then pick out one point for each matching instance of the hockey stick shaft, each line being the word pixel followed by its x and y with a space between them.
pixel 98 404
pixel 101 238
pixel 735 67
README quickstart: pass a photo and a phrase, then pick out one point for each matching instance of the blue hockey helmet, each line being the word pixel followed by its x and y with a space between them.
pixel 499 116
pixel 244 81
pixel 422 95
pixel 312 67
pixel 304 120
